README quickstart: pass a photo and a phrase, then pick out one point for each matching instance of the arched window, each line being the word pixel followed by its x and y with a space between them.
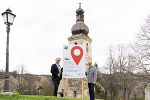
pixel 87 47
pixel 75 43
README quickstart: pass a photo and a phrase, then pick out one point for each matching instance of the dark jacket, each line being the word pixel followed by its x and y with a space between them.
pixel 55 72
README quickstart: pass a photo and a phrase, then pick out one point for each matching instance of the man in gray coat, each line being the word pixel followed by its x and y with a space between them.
pixel 91 74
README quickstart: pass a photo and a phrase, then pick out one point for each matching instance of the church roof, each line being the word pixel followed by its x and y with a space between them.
pixel 80 10
pixel 79 27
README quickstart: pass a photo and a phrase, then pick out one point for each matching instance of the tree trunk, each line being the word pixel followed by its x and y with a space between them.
pixel 124 94
pixel 134 96
pixel 128 96
pixel 111 96
pixel 117 97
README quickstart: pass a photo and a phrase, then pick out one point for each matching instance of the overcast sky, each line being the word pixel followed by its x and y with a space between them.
pixel 41 27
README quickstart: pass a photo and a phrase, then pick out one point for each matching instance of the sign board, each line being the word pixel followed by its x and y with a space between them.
pixel 73 61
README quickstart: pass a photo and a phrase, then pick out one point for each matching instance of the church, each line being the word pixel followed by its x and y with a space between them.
pixel 80 31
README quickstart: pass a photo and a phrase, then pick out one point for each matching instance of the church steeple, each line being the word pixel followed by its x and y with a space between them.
pixel 80 27
pixel 79 37
pixel 80 14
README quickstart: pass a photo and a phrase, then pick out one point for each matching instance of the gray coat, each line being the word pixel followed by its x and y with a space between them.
pixel 91 74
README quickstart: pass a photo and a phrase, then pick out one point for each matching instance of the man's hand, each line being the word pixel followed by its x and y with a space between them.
pixel 94 83
pixel 58 75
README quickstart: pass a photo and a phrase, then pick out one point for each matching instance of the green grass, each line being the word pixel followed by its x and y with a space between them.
pixel 35 97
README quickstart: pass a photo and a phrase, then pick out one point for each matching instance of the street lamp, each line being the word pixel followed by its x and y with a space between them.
pixel 8 17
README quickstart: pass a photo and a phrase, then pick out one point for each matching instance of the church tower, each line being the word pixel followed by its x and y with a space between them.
pixel 80 34
pixel 79 37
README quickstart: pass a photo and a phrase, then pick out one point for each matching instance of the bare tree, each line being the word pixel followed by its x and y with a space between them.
pixel 111 81
pixel 27 83
pixel 142 48
pixel 121 64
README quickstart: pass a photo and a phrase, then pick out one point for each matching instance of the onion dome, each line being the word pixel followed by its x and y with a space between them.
pixel 80 10
pixel 80 27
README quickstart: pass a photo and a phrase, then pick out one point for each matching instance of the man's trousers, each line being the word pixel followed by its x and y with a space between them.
pixel 91 91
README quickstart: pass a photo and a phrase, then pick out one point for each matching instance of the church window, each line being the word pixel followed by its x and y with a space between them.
pixel 87 47
pixel 75 43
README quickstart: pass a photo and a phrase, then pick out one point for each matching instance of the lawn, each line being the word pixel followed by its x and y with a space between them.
pixel 35 97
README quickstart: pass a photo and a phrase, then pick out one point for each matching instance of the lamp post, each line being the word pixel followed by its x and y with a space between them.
pixel 8 17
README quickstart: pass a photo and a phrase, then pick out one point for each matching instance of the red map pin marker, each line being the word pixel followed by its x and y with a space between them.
pixel 76 58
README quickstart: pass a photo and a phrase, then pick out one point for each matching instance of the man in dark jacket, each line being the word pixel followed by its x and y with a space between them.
pixel 56 71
